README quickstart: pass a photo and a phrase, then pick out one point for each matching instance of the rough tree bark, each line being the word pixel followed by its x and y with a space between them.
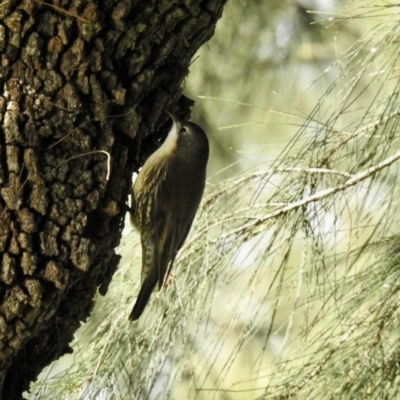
pixel 77 76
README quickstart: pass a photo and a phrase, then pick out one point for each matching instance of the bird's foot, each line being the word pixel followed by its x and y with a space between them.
pixel 169 280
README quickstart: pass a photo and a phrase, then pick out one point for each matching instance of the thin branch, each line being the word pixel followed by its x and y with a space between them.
pixel 88 153
pixel 272 171
pixel 317 196
pixel 358 133
pixel 66 12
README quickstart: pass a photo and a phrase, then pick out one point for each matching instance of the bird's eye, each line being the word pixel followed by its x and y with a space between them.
pixel 183 130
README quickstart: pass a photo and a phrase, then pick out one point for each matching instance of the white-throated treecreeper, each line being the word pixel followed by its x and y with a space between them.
pixel 165 198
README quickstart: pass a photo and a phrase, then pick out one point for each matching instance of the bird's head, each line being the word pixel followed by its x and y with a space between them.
pixel 187 135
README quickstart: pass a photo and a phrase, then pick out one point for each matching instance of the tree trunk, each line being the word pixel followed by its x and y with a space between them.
pixel 79 78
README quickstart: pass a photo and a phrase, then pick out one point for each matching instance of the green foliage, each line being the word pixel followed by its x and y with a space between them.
pixel 288 286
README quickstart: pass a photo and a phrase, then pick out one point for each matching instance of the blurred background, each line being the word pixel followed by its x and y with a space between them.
pixel 287 285
pixel 256 81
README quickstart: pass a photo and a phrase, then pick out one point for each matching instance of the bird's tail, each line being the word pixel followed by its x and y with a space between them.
pixel 143 298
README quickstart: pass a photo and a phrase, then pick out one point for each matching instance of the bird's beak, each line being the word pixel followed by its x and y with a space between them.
pixel 174 119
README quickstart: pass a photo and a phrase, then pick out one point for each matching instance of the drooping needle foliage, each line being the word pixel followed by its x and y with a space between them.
pixel 289 284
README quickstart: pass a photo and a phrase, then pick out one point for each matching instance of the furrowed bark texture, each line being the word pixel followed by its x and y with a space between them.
pixel 76 77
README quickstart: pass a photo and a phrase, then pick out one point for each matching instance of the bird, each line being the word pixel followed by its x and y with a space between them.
pixel 165 198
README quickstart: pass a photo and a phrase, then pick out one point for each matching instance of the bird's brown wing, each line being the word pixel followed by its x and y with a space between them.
pixel 172 260
pixel 176 207
pixel 169 230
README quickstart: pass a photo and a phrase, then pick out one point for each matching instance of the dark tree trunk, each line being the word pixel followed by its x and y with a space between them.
pixel 77 77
